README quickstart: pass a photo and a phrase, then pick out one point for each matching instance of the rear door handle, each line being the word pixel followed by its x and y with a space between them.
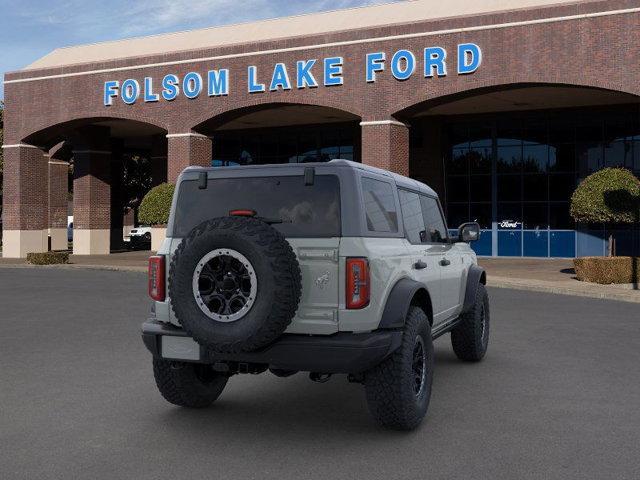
pixel 420 265
pixel 444 262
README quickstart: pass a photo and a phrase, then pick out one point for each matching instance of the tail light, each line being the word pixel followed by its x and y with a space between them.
pixel 156 278
pixel 242 213
pixel 358 286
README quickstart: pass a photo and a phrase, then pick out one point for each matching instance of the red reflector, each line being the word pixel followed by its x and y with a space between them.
pixel 242 213
pixel 156 278
pixel 357 284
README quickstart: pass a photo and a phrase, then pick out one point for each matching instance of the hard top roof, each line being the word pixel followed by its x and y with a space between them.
pixel 244 170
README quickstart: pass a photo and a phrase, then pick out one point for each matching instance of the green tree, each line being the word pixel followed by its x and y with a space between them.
pixel 611 195
pixel 156 205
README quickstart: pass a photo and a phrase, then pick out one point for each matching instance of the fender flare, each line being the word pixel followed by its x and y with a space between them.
pixel 475 277
pixel 398 303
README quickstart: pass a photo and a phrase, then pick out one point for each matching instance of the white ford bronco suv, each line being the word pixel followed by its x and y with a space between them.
pixel 324 268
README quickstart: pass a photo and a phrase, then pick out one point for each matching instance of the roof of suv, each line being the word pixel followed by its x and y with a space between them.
pixel 399 180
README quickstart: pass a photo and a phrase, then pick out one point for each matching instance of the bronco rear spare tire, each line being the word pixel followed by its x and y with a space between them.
pixel 234 284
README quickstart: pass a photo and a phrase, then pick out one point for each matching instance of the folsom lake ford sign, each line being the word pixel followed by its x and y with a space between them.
pixel 309 73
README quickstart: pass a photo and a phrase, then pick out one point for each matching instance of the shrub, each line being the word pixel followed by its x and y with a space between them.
pixel 48 258
pixel 607 270
pixel 156 204
pixel 611 195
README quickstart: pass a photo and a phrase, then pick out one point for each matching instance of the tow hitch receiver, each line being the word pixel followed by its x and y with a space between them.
pixel 319 377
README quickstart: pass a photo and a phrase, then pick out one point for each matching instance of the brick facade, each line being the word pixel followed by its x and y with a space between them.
pixel 25 188
pixel 589 43
pixel 58 188
pixel 187 149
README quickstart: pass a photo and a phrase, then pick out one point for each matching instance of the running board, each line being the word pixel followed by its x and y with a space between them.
pixel 444 327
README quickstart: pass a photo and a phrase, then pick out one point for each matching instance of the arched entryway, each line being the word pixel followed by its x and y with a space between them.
pixel 282 133
pixel 111 164
pixel 509 157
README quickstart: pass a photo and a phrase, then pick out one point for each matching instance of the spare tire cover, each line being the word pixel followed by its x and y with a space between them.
pixel 234 284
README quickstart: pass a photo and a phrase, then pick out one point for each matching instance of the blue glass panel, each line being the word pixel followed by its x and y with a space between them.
pixel 535 243
pixel 563 244
pixel 483 245
pixel 591 243
pixel 510 243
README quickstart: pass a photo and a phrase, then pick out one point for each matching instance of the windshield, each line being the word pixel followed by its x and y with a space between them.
pixel 305 210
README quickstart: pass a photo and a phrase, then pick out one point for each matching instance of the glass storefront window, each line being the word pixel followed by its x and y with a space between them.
pixel 480 159
pixel 287 145
pixel 480 188
pixel 459 161
pixel 457 214
pixel 537 159
pixel 562 157
pixel 559 217
pixel 458 188
pixel 510 159
pixel 481 213
pixel 618 154
pixel 509 187
pixel 535 216
pixel 535 187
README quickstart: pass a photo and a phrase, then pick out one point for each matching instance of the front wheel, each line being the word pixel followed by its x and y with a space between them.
pixel 189 385
pixel 470 338
pixel 398 389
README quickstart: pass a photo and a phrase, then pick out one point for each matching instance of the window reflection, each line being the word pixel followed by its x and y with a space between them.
pixel 287 145
pixel 539 158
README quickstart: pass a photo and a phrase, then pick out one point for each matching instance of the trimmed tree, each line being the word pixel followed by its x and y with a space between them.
pixel 156 205
pixel 611 195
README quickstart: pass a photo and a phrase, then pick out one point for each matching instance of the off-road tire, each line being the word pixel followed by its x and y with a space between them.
pixel 470 338
pixel 278 280
pixel 389 386
pixel 188 385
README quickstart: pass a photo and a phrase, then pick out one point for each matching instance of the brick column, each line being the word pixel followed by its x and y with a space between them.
pixel 158 160
pixel 187 149
pixel 91 202
pixel 91 191
pixel 58 191
pixel 385 144
pixel 25 211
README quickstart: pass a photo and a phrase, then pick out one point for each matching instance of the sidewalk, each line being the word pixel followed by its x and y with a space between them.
pixel 538 275
pixel 551 276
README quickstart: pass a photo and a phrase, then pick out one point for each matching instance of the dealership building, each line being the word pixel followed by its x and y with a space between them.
pixel 501 106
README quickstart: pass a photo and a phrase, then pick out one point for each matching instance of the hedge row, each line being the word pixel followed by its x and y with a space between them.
pixel 607 270
pixel 48 258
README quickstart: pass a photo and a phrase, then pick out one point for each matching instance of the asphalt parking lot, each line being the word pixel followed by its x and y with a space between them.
pixel 556 397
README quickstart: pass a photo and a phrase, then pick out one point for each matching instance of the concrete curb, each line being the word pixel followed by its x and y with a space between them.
pixel 603 292
pixel 74 266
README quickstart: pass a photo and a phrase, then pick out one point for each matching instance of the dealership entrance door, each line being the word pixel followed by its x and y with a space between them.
pixel 514 171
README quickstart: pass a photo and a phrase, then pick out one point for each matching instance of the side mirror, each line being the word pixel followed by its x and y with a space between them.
pixel 469 232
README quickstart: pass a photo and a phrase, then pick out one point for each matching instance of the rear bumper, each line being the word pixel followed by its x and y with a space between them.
pixel 339 353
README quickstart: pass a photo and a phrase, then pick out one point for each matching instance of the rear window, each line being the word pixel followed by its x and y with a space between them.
pixel 305 210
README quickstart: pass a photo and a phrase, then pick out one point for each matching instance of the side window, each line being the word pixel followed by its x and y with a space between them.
pixel 380 206
pixel 435 226
pixel 412 216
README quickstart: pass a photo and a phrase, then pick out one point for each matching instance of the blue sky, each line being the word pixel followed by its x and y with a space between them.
pixel 30 29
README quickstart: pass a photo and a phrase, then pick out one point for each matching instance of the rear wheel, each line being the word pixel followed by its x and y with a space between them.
pixel 189 385
pixel 398 390
pixel 470 338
